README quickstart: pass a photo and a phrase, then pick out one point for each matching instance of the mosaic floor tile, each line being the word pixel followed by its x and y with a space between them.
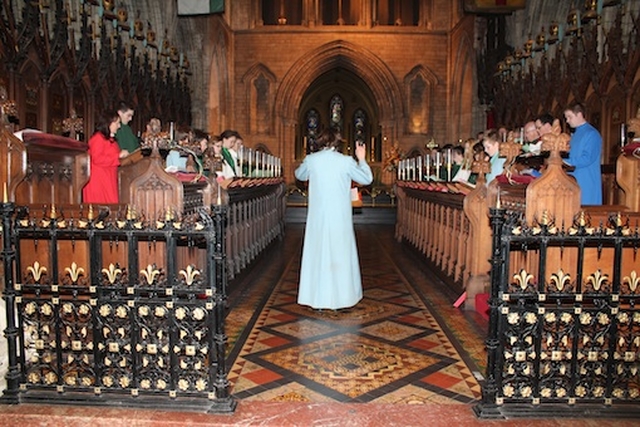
pixel 396 345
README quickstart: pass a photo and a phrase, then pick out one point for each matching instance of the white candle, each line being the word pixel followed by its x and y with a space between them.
pixel 521 135
pixel 419 161
pixel 240 160
pixel 264 164
pixel 623 135
pixel 427 163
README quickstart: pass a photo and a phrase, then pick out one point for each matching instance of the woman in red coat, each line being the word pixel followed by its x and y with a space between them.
pixel 104 155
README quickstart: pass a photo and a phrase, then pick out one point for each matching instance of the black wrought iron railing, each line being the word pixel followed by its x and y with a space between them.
pixel 116 311
pixel 564 331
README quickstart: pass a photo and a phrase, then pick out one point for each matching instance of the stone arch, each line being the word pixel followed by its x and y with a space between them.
pixel 259 83
pixel 336 54
pixel 419 86
pixel 347 55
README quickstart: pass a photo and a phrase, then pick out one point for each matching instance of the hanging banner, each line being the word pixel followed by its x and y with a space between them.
pixel 493 6
pixel 200 7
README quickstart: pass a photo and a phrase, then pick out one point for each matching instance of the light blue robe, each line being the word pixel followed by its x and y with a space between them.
pixel 584 153
pixel 330 271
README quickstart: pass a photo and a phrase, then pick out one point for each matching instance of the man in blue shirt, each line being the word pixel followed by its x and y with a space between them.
pixel 584 155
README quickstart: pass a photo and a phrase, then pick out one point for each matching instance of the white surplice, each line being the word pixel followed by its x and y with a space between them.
pixel 330 271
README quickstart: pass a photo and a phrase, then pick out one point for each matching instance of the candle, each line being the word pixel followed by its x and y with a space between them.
pixel 240 160
pixel 412 174
pixel 623 135
pixel 219 198
pixel 427 163
pixel 264 164
pixel 522 135
pixel 419 161
pixel 5 197
pixel 171 131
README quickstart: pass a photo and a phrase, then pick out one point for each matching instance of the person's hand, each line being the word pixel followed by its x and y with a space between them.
pixel 361 151
pixel 123 153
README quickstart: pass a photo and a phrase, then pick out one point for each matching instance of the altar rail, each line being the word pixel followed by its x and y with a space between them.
pixel 82 328
pixel 563 341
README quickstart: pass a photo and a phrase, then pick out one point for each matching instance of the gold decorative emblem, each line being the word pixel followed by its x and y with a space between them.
pixel 632 280
pixel 560 279
pixel 523 278
pixel 150 274
pixel 36 271
pixel 189 274
pixel 597 279
pixel 74 271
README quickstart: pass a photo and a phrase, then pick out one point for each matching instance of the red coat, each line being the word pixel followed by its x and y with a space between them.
pixel 104 155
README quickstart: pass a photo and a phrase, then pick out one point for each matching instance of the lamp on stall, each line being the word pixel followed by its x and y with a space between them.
pixel 554 33
pixel 541 40
pixel 528 48
pixel 151 37
pixel 591 11
pixel 123 16
pixel 138 27
pixel 573 23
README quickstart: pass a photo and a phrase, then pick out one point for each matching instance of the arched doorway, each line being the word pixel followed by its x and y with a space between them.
pixel 379 89
pixel 339 98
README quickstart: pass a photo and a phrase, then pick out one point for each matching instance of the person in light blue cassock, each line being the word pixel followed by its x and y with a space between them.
pixel 330 271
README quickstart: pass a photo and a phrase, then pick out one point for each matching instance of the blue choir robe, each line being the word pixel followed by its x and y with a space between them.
pixel 330 272
pixel 584 153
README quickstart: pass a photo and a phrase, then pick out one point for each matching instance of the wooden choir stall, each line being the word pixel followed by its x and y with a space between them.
pixel 560 281
pixel 123 304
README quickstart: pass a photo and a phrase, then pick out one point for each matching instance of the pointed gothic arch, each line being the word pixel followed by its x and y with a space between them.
pixel 259 84
pixel 354 58
pixel 419 87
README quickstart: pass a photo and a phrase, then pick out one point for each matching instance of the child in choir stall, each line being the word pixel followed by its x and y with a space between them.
pixel 177 161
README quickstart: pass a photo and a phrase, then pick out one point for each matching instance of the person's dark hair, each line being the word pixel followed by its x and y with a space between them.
pixel 183 135
pixel 459 149
pixel 491 134
pixel 478 148
pixel 577 107
pixel 545 118
pixel 446 147
pixel 329 138
pixel 124 107
pixel 104 121
pixel 199 135
pixel 228 133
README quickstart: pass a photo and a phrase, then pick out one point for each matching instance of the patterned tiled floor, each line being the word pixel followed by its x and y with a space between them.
pixel 403 343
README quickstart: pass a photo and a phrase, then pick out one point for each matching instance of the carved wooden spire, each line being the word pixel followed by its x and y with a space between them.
pixel 555 191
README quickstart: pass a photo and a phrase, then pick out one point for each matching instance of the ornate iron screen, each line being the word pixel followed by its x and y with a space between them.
pixel 109 330
pixel 564 332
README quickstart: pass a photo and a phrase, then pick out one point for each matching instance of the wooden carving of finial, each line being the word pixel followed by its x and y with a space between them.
pixel 555 142
pixel 481 166
pixel 510 149
pixel 633 125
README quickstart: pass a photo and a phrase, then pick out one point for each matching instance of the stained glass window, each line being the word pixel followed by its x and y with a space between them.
pixel 312 130
pixel 336 106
